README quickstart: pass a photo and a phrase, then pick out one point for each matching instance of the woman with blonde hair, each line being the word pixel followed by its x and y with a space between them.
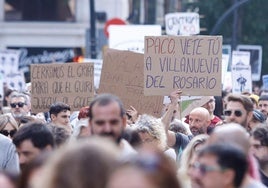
pixel 8 125
pixel 188 156
pixel 152 133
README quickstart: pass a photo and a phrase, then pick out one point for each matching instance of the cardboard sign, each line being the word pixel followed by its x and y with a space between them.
pixel 192 64
pixel 71 83
pixel 122 75
pixel 241 79
pixel 182 23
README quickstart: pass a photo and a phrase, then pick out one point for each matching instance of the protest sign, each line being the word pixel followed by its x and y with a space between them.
pixel 122 75
pixel 71 83
pixel 182 23
pixel 97 70
pixel 9 61
pixel 192 64
pixel 15 81
pixel 240 58
pixel 241 79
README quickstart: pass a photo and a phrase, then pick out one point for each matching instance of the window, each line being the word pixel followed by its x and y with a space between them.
pixel 40 10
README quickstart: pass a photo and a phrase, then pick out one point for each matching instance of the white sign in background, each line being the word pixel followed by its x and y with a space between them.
pixel 97 70
pixel 9 61
pixel 241 79
pixel 131 37
pixel 255 59
pixel 240 58
pixel 182 23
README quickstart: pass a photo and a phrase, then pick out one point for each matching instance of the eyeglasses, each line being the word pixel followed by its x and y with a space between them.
pixel 20 104
pixel 237 113
pixel 204 169
pixel 103 122
pixel 6 132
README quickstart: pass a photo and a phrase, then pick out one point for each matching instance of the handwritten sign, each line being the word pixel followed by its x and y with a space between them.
pixel 192 64
pixel 122 75
pixel 71 83
pixel 182 23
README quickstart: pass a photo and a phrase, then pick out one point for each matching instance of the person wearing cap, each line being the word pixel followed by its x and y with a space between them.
pixel 258 118
pixel 263 104
pixel 254 98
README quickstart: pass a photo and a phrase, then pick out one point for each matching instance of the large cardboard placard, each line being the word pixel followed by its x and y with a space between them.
pixel 192 64
pixel 71 83
pixel 122 75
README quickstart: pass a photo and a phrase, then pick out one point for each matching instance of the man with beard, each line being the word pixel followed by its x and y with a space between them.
pixel 219 165
pixel 259 148
pixel 107 117
pixel 239 109
pixel 19 105
pixel 32 139
pixel 263 105
pixel 199 120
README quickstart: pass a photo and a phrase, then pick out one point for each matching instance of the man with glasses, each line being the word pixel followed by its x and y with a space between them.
pixel 19 105
pixel 219 165
pixel 239 109
pixel 259 148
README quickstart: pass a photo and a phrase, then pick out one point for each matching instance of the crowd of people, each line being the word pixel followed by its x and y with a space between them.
pixel 106 145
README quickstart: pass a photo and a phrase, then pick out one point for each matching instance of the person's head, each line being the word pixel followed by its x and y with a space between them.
pixel 151 131
pixel 60 114
pixel 258 118
pixel 83 112
pixel 230 133
pixel 179 126
pixel 199 120
pixel 254 98
pixel 8 125
pixel 263 104
pixel 132 136
pixel 145 170
pixel 19 105
pixel 259 144
pixel 220 165
pixel 30 140
pixel 80 164
pixel 188 155
pixel 60 134
pixel 107 116
pixel 210 105
pixel 238 110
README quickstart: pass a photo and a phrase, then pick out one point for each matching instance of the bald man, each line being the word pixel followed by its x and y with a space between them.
pixel 199 120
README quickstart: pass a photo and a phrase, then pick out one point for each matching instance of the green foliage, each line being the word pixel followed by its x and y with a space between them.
pixel 252 23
